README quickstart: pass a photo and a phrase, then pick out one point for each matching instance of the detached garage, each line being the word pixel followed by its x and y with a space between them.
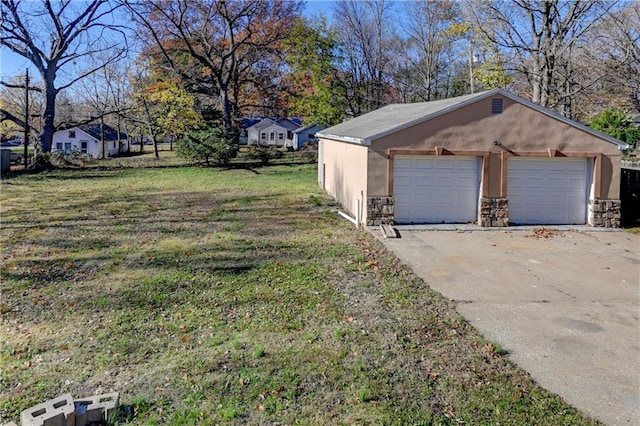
pixel 490 158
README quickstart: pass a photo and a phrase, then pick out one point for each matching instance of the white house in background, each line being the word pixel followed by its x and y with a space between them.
pixel 272 132
pixel 87 139
pixel 304 134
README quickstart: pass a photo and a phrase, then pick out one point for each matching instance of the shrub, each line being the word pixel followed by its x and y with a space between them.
pixel 207 146
pixel 55 160
pixel 263 153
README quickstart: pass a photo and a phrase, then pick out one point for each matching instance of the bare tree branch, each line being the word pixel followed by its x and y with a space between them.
pixel 7 116
pixel 76 31
pixel 20 86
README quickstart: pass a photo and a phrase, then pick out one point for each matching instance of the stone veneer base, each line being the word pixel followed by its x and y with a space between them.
pixel 605 213
pixel 494 212
pixel 380 210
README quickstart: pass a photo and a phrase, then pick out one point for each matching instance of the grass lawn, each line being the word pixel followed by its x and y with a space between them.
pixel 211 296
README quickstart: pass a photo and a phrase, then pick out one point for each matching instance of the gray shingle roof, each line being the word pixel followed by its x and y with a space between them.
pixel 94 130
pixel 392 118
pixel 307 127
pixel 287 123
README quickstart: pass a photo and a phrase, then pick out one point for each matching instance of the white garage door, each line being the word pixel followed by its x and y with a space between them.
pixel 434 189
pixel 548 191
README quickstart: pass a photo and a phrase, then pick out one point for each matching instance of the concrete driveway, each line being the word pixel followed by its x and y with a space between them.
pixel 565 307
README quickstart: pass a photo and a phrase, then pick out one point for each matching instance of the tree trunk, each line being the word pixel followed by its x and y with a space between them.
pixel 227 117
pixel 156 154
pixel 48 125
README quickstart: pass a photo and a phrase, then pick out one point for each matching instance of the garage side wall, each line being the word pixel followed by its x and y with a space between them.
pixel 343 175
pixel 517 131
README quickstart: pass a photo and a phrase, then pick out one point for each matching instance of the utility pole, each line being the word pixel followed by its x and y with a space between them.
pixel 471 83
pixel 26 120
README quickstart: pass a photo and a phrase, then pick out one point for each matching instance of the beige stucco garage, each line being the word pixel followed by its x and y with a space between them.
pixel 490 158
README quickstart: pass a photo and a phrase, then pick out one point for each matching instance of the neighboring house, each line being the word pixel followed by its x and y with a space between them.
pixel 305 134
pixel 87 139
pixel 272 132
pixel 490 158
pixel 245 124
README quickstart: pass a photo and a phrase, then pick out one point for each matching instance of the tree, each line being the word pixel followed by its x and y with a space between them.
pixel 205 146
pixel 366 36
pixel 618 124
pixel 225 49
pixel 175 112
pixel 432 28
pixel 12 94
pixel 312 53
pixel 162 107
pixel 541 36
pixel 610 58
pixel 75 29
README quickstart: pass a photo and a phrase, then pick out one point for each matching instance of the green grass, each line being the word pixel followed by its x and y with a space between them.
pixel 238 296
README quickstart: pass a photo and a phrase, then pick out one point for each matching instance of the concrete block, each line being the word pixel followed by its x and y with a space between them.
pixel 388 231
pixel 96 408
pixel 59 411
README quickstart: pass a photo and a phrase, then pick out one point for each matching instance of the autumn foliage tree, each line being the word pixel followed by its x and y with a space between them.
pixel 315 86
pixel 227 49
pixel 164 108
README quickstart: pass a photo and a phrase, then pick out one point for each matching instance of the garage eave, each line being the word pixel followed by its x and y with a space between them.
pixel 347 139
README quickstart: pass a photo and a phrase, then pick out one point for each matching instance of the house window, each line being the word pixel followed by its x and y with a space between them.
pixel 263 136
pixel 72 134
pixel 114 145
pixel 312 135
pixel 289 134
pixel 59 146
pixel 83 147
pixel 496 106
pixel 281 136
pixel 67 147
pixel 272 136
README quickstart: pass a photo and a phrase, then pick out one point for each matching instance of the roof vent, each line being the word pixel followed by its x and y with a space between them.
pixel 496 106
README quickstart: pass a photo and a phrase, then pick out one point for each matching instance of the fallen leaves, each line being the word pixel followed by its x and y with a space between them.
pixel 543 233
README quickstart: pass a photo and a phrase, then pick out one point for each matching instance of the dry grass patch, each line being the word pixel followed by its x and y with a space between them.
pixel 233 297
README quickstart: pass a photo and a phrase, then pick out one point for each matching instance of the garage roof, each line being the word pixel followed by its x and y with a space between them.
pixel 395 117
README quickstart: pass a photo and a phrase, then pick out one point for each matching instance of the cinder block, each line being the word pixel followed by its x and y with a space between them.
pixel 59 411
pixel 96 408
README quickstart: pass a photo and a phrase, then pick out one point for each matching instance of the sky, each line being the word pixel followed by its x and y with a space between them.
pixel 12 65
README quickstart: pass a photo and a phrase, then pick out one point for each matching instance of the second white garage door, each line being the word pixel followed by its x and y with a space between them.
pixel 548 191
pixel 436 189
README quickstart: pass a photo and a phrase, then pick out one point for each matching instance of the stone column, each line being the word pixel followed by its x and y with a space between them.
pixel 380 210
pixel 494 212
pixel 605 213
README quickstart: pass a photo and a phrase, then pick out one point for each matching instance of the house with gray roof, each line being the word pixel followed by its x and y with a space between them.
pixel 96 140
pixel 277 132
